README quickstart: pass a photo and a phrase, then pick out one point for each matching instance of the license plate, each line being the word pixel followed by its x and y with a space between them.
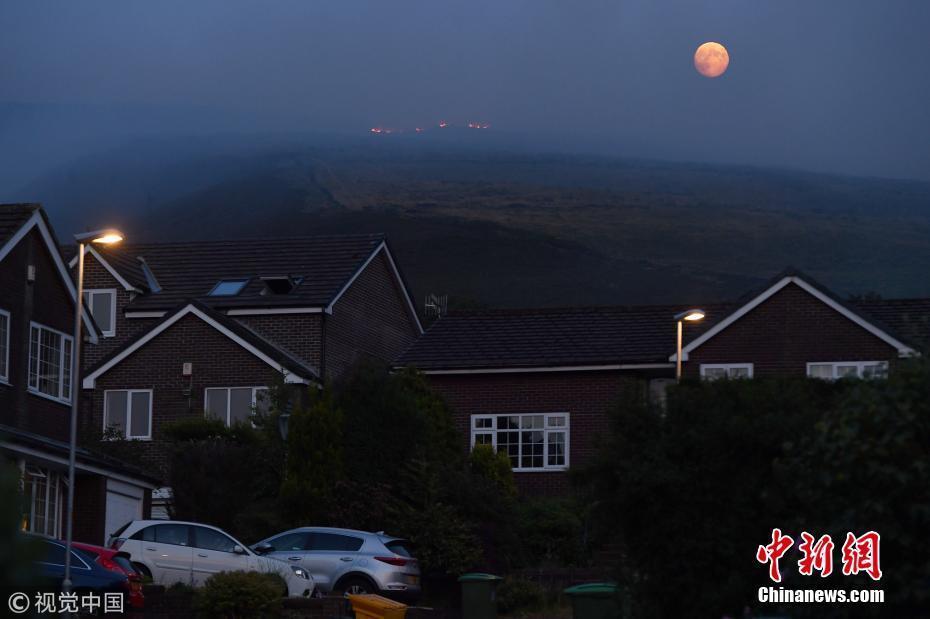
pixel 413 580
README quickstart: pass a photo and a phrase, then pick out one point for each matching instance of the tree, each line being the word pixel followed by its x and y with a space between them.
pixel 315 461
pixel 690 491
pixel 864 467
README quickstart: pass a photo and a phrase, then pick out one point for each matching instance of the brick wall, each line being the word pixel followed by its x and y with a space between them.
pixel 217 362
pixel 90 508
pixel 586 396
pixel 96 276
pixel 299 334
pixel 370 320
pixel 45 301
pixel 784 333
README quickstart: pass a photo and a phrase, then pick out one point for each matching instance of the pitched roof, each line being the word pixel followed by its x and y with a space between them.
pixel 625 335
pixel 297 369
pixel 535 338
pixel 909 319
pixel 12 218
pixel 822 293
pixel 82 455
pixel 17 221
pixel 190 270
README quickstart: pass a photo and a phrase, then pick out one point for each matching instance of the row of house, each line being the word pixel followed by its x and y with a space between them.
pixel 181 330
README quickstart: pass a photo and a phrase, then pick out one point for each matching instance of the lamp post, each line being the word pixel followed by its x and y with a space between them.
pixel 691 315
pixel 101 237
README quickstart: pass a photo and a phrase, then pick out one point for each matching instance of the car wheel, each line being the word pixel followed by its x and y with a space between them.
pixel 146 574
pixel 356 585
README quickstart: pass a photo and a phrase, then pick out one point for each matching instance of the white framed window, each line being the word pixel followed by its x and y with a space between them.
pixel 234 404
pixel 50 362
pixel 101 302
pixel 4 346
pixel 715 371
pixel 533 442
pixel 129 412
pixel 832 370
pixel 42 489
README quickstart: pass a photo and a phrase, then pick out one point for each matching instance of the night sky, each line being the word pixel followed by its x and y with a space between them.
pixel 839 86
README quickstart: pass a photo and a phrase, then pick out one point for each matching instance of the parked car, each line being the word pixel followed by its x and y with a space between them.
pixel 171 551
pixel 86 574
pixel 349 561
pixel 121 563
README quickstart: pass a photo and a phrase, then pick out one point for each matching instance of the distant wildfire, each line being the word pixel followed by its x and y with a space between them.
pixel 442 124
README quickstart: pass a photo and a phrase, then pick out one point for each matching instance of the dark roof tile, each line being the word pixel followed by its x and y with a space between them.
pixel 190 270
pixel 12 218
pixel 554 337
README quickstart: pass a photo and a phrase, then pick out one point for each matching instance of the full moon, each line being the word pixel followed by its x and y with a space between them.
pixel 711 59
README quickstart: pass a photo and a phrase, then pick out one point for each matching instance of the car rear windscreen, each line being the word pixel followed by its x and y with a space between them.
pixel 400 547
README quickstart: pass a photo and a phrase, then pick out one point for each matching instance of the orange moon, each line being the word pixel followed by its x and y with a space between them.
pixel 711 59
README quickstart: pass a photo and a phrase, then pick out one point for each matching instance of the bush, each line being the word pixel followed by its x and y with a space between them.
pixel 519 594
pixel 240 594
pixel 551 531
pixel 864 467
pixel 493 467
pixel 695 486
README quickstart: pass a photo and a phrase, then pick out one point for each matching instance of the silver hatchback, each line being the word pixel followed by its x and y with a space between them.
pixel 350 561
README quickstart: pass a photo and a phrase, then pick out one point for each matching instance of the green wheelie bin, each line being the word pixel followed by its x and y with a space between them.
pixel 479 596
pixel 597 600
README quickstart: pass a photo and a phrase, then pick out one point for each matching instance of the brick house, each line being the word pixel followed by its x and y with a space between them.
pixel 36 388
pixel 204 328
pixel 538 383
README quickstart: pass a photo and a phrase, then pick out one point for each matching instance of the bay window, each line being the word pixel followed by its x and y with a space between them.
pixel 4 346
pixel 532 442
pixel 42 489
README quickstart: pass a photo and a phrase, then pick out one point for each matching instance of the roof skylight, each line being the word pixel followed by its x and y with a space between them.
pixel 228 287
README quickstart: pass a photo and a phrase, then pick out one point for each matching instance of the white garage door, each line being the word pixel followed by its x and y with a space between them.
pixel 124 503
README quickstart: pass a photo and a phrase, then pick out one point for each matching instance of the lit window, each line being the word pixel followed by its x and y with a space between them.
pixel 228 288
pixel 128 412
pixel 531 442
pixel 4 346
pixel 50 362
pixel 234 405
pixel 102 306
pixel 716 371
pixel 848 369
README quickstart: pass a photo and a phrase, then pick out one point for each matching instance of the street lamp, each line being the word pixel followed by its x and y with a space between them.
pixel 691 315
pixel 100 237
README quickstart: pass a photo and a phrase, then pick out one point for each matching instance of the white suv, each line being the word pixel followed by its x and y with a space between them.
pixel 189 552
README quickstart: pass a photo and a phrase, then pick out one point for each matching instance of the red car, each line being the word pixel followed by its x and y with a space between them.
pixel 116 561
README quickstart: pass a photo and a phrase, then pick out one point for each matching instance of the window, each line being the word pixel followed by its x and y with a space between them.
pixel 128 412
pixel 4 346
pixel 208 539
pixel 228 288
pixel 290 541
pixel 55 555
pixel 42 489
pixel 235 404
pixel 532 442
pixel 102 306
pixel 715 371
pixel 50 362
pixel 848 369
pixel 332 541
pixel 174 534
